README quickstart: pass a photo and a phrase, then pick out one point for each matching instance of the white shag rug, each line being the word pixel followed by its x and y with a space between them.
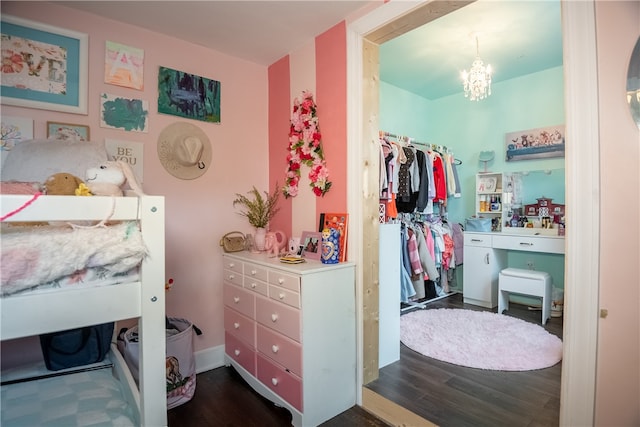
pixel 480 339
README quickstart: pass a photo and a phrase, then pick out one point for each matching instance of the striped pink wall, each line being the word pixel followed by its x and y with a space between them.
pixel 279 116
pixel 331 97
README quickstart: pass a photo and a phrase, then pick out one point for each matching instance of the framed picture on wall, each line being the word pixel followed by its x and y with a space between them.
pixel 43 66
pixel 67 131
pixel 539 143
pixel 311 242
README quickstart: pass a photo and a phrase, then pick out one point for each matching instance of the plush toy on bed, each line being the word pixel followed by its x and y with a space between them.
pixel 108 178
pixel 62 184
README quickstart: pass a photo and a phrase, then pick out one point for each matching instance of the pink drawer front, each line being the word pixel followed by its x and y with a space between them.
pixel 284 295
pixel 283 350
pixel 240 326
pixel 256 285
pixel 279 317
pixel 234 277
pixel 255 271
pixel 283 383
pixel 232 264
pixel 240 352
pixel 284 280
pixel 239 299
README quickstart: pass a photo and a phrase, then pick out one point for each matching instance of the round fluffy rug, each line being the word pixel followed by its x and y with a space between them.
pixel 480 339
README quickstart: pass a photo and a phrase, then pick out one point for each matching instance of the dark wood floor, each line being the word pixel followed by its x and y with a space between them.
pixel 451 395
pixel 446 394
pixel 223 398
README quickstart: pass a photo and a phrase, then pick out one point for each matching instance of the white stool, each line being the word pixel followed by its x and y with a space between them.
pixel 524 282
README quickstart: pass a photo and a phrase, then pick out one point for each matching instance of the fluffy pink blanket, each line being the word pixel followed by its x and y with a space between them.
pixel 37 255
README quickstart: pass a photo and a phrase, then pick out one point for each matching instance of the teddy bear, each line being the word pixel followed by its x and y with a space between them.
pixel 108 178
pixel 62 184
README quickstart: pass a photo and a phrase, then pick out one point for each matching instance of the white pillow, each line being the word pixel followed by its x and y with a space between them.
pixel 37 159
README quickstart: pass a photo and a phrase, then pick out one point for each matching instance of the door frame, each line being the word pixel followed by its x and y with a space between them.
pixel 582 241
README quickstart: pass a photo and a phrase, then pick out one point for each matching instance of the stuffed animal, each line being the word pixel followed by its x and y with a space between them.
pixel 108 178
pixel 62 184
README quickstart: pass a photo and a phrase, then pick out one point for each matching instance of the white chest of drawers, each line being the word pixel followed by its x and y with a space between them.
pixel 290 331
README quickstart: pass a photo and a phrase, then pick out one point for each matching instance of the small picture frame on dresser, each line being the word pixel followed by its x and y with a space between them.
pixel 311 244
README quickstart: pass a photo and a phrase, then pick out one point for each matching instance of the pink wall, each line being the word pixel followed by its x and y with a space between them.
pixel 618 371
pixel 279 119
pixel 200 211
pixel 331 89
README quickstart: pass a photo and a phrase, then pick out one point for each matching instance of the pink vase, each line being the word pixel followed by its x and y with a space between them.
pixel 260 238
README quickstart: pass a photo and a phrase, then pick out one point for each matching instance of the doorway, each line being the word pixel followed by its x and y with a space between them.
pixel 394 18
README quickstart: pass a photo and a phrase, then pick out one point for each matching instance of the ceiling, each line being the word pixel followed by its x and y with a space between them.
pixel 515 37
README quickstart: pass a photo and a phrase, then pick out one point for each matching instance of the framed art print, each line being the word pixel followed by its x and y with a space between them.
pixel 43 66
pixel 310 242
pixel 67 131
pixel 188 95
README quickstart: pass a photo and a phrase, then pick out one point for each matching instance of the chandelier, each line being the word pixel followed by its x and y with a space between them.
pixel 477 81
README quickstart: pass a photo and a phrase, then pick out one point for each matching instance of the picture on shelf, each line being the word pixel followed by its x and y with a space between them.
pixel 310 243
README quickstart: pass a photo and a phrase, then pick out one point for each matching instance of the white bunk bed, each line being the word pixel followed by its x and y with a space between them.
pixel 29 314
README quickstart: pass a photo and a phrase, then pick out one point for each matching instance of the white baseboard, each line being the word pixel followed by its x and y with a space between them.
pixel 209 358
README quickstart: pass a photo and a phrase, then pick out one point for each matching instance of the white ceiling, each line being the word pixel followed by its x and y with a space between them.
pixel 515 37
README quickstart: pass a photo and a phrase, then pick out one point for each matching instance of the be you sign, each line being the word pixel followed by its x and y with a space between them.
pixel 127 152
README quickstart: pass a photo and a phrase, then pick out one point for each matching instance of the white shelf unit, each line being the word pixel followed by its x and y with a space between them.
pixel 490 185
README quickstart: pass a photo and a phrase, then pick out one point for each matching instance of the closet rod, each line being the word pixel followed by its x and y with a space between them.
pixel 412 141
pixel 435 147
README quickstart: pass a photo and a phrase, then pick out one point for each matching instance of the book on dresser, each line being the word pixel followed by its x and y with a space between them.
pixel 290 332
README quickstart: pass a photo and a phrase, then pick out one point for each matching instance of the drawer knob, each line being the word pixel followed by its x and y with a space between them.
pixel 236 299
pixel 236 325
pixel 281 280
pixel 237 352
pixel 253 272
pixel 281 295
pixel 274 317
pixel 274 381
pixel 232 276
pixel 275 348
pixel 253 285
pixel 231 265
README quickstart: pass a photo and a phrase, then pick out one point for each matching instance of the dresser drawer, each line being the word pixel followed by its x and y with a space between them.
pixel 283 383
pixel 278 317
pixel 234 277
pixel 240 352
pixel 553 245
pixel 240 299
pixel 255 271
pixel 283 350
pixel 477 239
pixel 240 326
pixel 285 296
pixel 232 264
pixel 288 281
pixel 256 285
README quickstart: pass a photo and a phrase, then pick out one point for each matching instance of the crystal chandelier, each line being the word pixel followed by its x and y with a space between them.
pixel 477 81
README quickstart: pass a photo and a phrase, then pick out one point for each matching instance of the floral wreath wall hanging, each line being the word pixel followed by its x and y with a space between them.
pixel 305 147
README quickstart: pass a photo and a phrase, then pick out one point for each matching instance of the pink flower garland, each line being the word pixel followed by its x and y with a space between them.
pixel 305 147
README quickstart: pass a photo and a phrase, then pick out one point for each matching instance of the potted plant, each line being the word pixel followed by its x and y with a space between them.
pixel 259 210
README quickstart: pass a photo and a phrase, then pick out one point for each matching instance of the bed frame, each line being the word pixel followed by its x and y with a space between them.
pixel 26 315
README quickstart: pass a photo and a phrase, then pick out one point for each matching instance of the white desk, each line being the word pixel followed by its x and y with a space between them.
pixel 485 254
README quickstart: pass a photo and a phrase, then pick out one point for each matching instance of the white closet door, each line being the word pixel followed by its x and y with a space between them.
pixel 389 276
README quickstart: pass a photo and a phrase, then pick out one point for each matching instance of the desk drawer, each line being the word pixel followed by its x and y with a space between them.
pixel 285 296
pixel 284 280
pixel 477 239
pixel 240 352
pixel 232 264
pixel 254 271
pixel 256 285
pixel 240 326
pixel 283 383
pixel 239 299
pixel 232 276
pixel 283 350
pixel 552 245
pixel 278 317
